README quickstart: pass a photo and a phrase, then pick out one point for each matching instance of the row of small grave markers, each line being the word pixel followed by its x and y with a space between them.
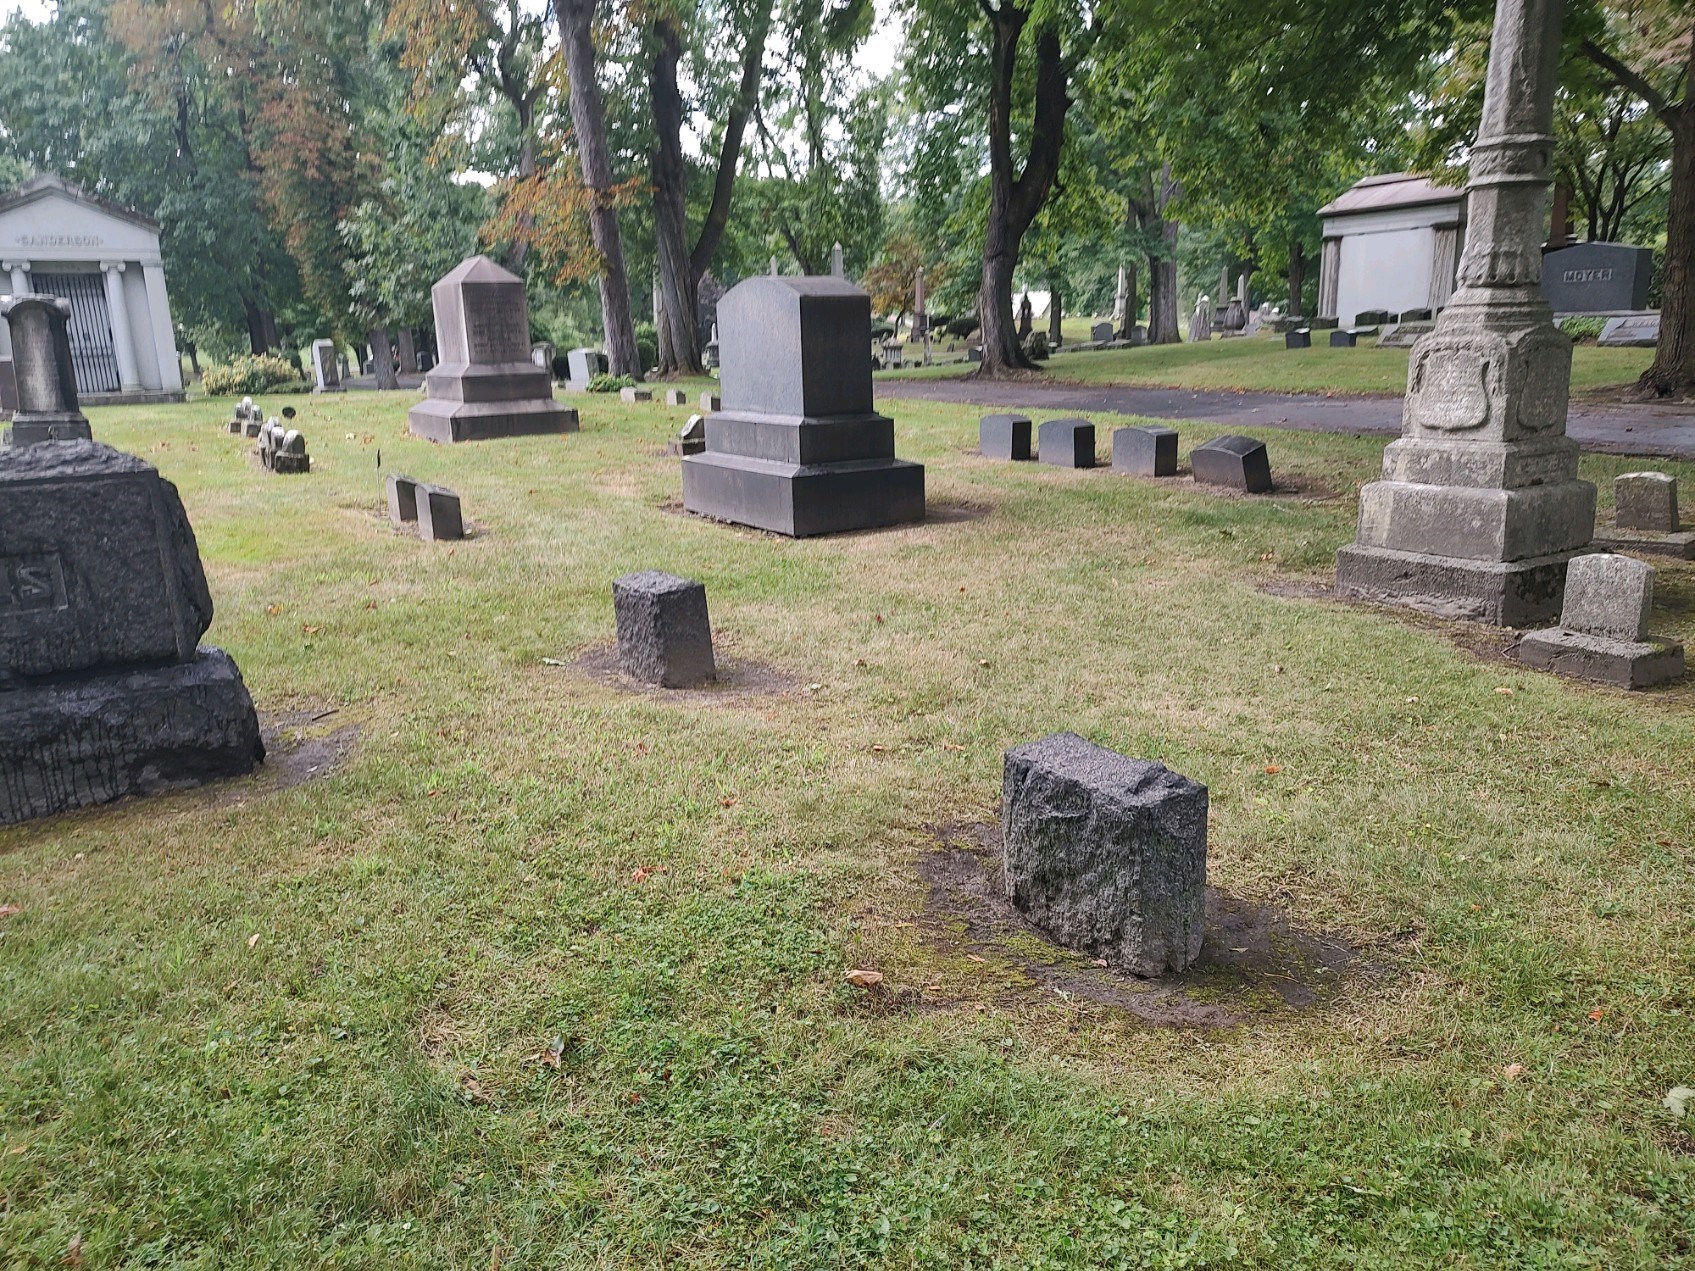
pixel 1240 463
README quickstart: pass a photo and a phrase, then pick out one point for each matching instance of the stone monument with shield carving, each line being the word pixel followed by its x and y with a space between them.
pixel 484 384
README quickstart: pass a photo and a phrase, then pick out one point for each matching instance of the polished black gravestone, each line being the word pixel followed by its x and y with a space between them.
pixel 402 499
pixel 1066 443
pixel 664 633
pixel 104 688
pixel 1238 462
pixel 1004 437
pixel 1342 339
pixel 440 518
pixel 1373 318
pixel 1149 451
pixel 1298 339
pixel 1105 853
pixel 485 385
pixel 47 407
pixel 798 449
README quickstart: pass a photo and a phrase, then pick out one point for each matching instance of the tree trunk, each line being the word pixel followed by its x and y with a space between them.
pixel 257 334
pixel 407 352
pixel 382 359
pixel 676 302
pixel 1673 371
pixel 1297 275
pixel 730 151
pixel 1132 298
pixel 1056 320
pixel 1015 203
pixel 588 122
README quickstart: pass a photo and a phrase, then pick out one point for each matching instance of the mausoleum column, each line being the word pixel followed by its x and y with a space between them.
pixel 19 269
pixel 117 312
pixel 159 314
pixel 1329 277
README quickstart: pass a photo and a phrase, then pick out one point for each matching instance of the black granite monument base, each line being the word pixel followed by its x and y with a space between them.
pixel 803 500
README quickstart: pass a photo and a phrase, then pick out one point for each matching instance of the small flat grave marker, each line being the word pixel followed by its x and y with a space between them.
pixel 1149 451
pixel 1004 437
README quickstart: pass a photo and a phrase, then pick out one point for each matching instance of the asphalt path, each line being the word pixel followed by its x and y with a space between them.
pixel 1665 431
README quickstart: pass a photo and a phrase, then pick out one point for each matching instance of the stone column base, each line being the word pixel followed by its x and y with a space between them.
pixel 27 433
pixel 88 741
pixel 801 500
pixel 1506 594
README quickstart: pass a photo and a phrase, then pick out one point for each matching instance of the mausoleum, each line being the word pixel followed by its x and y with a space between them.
pixel 104 259
pixel 1390 242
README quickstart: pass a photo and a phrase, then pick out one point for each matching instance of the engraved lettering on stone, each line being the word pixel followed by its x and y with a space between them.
pixel 31 583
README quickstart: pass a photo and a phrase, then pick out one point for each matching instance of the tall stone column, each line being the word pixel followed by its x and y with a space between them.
pixel 164 338
pixel 123 341
pixel 1480 508
pixel 47 385
pixel 1329 277
pixel 19 270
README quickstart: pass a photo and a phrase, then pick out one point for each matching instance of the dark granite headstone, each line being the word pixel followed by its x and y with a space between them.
pixel 1067 443
pixel 798 448
pixel 1106 854
pixel 1301 338
pixel 1004 437
pixel 47 407
pixel 690 439
pixel 402 499
pixel 1325 324
pixel 1417 315
pixel 8 388
pixel 1342 339
pixel 439 516
pixel 1597 277
pixel 1373 318
pixel 1149 451
pixel 664 632
pixel 485 385
pixel 1100 332
pixel 1235 461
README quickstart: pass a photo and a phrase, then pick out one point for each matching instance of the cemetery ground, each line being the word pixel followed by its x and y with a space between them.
pixel 504 963
pixel 1261 363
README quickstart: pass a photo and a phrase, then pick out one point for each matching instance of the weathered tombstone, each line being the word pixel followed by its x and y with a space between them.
pixel 1417 315
pixel 1146 451
pixel 1373 318
pixel 326 368
pixel 1325 324
pixel 798 448
pixel 1301 338
pixel 1066 443
pixel 439 516
pixel 1235 461
pixel 104 688
pixel 584 365
pixel 485 385
pixel 632 394
pixel 1646 518
pixel 402 499
pixel 664 631
pixel 894 354
pixel 1004 437
pixel 255 423
pixel 1342 339
pixel 710 402
pixel 1597 277
pixel 1106 854
pixel 47 408
pixel 691 439
pixel 676 397
pixel 1480 506
pixel 1636 332
pixel 1200 322
pixel 290 457
pixel 974 353
pixel 1138 337
pixel 8 388
pixel 1603 631
pixel 1100 332
pixel 270 438
pixel 244 410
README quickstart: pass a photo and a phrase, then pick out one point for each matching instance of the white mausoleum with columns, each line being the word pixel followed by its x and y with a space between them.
pixel 1390 242
pixel 105 260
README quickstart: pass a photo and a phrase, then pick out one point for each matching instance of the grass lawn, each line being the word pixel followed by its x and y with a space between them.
pixel 1262 363
pixel 548 972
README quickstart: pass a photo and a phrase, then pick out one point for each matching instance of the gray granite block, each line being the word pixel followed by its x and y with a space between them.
pixel 439 515
pixel 1067 443
pixel 1004 437
pixel 402 498
pixel 1106 854
pixel 1235 461
pixel 1625 663
pixel 1149 451
pixel 1645 501
pixel 1342 339
pixel 1518 593
pixel 89 741
pixel 664 632
pixel 1298 339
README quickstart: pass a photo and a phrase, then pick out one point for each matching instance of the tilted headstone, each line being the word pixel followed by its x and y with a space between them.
pixel 1638 332
pixel 1004 437
pixel 691 438
pixel 798 449
pixel 244 411
pixel 485 385
pixel 1298 339
pixel 1597 277
pixel 402 499
pixel 1235 461
pixel 1106 854
pixel 290 457
pixel 1603 631
pixel 664 632
pixel 326 367
pixel 47 407
pixel 1149 451
pixel 440 518
pixel 1646 501
pixel 1067 443
pixel 104 688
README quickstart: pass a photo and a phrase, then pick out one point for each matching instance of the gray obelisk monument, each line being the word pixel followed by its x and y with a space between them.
pixel 1480 508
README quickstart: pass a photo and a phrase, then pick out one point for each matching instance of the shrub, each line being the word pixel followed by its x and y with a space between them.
pixel 962 327
pixel 610 383
pixel 1036 346
pixel 1584 330
pixel 253 373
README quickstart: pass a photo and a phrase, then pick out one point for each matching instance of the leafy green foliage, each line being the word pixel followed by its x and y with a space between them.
pixel 254 373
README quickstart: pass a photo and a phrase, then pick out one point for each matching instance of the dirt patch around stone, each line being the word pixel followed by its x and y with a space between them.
pixel 936 512
pixel 738 679
pixel 300 746
pixel 1253 961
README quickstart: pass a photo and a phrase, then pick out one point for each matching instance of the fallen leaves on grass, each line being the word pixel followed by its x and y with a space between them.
pixel 6 911
pixel 1504 691
pixel 1273 769
pixel 949 745
pixel 1596 1015
pixel 1678 1099
pixel 1513 1071
pixel 73 1252
pixel 551 1057
pixel 641 873
pixel 972 957
pixel 864 979
pixel 253 940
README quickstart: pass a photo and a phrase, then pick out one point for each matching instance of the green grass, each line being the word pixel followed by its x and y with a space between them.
pixel 1262 363
pixel 420 1012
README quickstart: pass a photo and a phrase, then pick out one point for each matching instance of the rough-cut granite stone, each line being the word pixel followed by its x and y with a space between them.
pixel 98 564
pixel 1106 854
pixel 73 745
pixel 664 633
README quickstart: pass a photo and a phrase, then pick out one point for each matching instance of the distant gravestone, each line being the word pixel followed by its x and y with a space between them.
pixel 1646 518
pixel 1298 339
pixel 402 499
pixel 1066 443
pixel 632 394
pixel 676 397
pixel 541 353
pixel 1004 437
pixel 691 439
pixel 1417 315
pixel 1641 331
pixel 485 385
pixel 710 401
pixel 1235 461
pixel 664 631
pixel 326 367
pixel 290 457
pixel 1597 277
pixel 105 690
pixel 1148 451
pixel 1373 318
pixel 47 408
pixel 1342 339
pixel 440 518
pixel 1100 332
pixel 1403 334
pixel 1106 854
pixel 1603 631
pixel 583 365
pixel 798 448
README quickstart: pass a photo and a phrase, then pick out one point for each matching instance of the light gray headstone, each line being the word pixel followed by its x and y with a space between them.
pixel 1608 596
pixel 1646 501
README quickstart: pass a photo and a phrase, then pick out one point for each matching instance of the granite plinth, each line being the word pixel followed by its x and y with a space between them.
pixel 1503 593
pixel 1477 522
pixel 803 500
pixel 1241 463
pixel 103 737
pixel 1678 546
pixel 664 631
pixel 1005 437
pixel 448 421
pixel 1145 451
pixel 1629 664
pixel 1066 443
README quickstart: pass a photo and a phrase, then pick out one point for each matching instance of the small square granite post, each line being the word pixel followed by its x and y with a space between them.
pixel 1342 339
pixel 1004 437
pixel 1106 854
pixel 664 633
pixel 1603 631
pixel 1298 339
pixel 439 516
pixel 1145 452
pixel 402 499
pixel 1235 461
pixel 1067 443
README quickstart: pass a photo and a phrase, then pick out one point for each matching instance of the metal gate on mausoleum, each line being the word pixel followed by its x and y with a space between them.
pixel 90 328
